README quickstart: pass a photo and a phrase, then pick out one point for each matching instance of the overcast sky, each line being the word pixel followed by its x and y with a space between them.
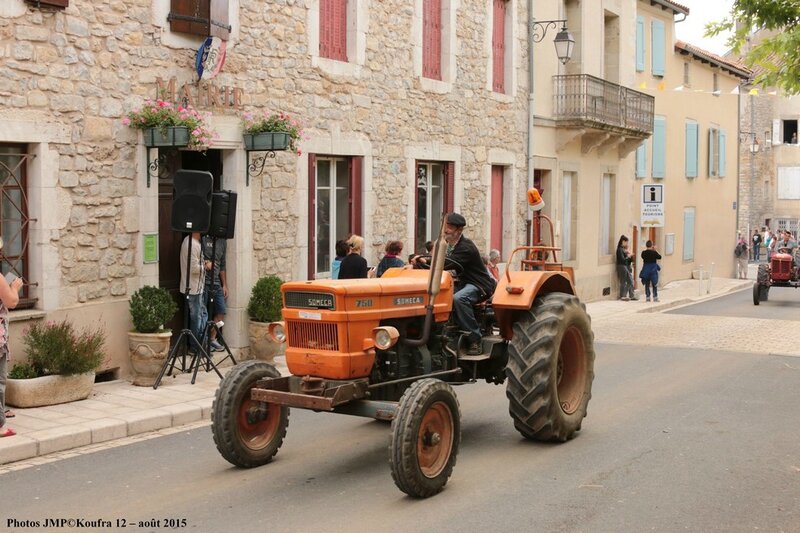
pixel 701 12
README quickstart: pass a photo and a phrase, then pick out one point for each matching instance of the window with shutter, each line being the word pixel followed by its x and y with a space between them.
pixel 499 46
pixel 658 48
pixel 333 29
pixel 640 44
pixel 432 39
pixel 434 195
pixel 659 147
pixel 200 17
pixel 50 3
pixel 691 149
pixel 641 161
pixel 334 208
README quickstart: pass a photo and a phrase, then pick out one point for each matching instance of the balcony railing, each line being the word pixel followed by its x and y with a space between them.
pixel 583 100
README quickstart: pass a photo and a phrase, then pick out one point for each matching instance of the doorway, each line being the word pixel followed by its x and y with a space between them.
pixel 169 241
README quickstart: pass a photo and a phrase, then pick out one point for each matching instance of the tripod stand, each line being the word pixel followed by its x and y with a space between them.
pixel 212 325
pixel 186 336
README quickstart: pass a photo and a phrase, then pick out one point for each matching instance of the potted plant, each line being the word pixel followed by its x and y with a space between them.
pixel 61 365
pixel 271 132
pixel 148 343
pixel 264 307
pixel 167 124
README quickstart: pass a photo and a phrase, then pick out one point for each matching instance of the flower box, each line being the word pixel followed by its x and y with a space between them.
pixel 171 136
pixel 266 141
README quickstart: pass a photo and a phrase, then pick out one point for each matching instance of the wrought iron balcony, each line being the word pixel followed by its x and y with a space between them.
pixel 584 101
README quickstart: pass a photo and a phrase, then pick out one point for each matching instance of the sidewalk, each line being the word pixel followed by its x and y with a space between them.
pixel 118 409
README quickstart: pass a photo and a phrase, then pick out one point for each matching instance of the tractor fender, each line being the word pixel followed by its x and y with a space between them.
pixel 516 292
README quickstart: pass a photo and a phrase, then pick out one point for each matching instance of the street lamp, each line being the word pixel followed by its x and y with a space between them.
pixel 564 43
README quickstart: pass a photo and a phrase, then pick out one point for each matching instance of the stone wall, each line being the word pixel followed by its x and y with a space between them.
pixel 757 181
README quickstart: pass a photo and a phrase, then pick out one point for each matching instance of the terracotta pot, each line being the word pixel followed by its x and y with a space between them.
pixel 148 352
pixel 262 347
pixel 49 390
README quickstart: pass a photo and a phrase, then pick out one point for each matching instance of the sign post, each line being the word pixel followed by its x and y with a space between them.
pixel 652 206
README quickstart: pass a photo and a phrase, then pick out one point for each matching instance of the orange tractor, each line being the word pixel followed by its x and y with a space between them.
pixel 389 349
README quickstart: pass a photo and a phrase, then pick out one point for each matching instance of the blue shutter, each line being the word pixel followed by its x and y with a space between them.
pixel 721 153
pixel 657 46
pixel 640 44
pixel 691 150
pixel 688 234
pixel 659 147
pixel 711 170
pixel 641 161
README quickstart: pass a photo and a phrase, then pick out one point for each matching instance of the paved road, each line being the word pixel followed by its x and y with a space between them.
pixel 676 439
pixel 783 304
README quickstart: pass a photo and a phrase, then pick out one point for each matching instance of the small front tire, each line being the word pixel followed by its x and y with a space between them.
pixel 426 433
pixel 247 433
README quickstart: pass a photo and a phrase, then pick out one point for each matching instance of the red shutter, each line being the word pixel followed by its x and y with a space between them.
pixel 355 195
pixel 189 16
pixel 312 214
pixel 220 21
pixel 54 3
pixel 432 39
pixel 333 29
pixel 496 211
pixel 449 186
pixel 499 46
pixel 417 245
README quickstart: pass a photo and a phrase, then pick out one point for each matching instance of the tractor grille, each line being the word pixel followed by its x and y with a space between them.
pixel 782 267
pixel 313 335
pixel 310 300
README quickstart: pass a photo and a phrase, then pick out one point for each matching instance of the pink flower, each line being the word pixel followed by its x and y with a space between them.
pixel 126 121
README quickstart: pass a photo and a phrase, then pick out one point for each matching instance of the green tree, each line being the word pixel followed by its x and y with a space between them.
pixel 776 57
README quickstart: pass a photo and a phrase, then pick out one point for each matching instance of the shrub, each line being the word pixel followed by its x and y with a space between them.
pixel 22 371
pixel 151 308
pixel 56 348
pixel 265 300
pixel 275 122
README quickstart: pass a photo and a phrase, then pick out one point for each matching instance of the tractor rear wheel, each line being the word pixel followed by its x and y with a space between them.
pixel 551 368
pixel 247 433
pixel 426 433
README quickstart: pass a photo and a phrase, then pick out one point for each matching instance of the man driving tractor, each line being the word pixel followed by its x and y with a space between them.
pixel 473 282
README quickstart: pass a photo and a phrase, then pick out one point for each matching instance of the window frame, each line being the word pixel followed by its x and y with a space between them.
pixel 607 211
pixel 448 186
pixel 217 21
pixel 354 200
pixel 21 181
pixel 569 215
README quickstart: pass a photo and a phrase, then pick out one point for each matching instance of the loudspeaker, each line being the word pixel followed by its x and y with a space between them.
pixel 223 214
pixel 191 200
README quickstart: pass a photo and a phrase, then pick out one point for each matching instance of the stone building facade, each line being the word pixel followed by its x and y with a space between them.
pixel 387 145
pixel 769 171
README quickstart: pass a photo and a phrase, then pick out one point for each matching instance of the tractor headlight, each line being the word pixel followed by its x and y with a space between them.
pixel 277 332
pixel 385 337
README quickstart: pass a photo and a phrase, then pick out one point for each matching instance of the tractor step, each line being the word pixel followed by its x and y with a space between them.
pixel 481 357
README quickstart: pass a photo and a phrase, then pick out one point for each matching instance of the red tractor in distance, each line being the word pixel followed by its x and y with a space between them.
pixel 782 271
pixel 389 349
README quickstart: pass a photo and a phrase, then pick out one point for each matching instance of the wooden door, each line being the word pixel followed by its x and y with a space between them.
pixel 169 241
pixel 496 214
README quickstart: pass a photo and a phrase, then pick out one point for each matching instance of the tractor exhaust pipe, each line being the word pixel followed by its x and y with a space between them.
pixel 434 286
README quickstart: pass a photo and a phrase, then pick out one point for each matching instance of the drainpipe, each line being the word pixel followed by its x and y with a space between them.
pixel 529 215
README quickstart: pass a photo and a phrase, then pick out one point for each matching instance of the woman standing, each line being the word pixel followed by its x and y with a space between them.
pixel 391 259
pixel 624 270
pixel 354 266
pixel 650 268
pixel 9 298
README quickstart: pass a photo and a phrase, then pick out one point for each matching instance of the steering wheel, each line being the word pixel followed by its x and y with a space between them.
pixel 423 262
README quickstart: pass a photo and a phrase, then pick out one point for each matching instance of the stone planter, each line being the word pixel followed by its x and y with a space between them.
pixel 262 346
pixel 49 390
pixel 171 136
pixel 148 352
pixel 266 141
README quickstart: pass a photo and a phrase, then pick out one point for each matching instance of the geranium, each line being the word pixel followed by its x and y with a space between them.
pixel 163 114
pixel 274 122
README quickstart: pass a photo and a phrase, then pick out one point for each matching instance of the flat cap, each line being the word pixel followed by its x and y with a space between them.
pixel 454 219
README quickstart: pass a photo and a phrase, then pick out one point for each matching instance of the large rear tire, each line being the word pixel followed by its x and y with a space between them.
pixel 247 433
pixel 551 368
pixel 425 436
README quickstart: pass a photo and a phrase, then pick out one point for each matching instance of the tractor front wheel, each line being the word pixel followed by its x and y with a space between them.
pixel 247 433
pixel 551 368
pixel 426 433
